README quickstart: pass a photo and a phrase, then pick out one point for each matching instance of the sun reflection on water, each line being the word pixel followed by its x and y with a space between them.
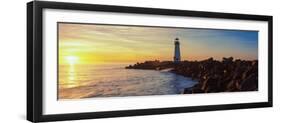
pixel 71 75
pixel 71 79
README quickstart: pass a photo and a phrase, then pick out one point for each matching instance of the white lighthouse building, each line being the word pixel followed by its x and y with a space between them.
pixel 177 55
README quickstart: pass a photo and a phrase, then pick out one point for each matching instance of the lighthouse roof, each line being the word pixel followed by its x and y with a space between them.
pixel 177 41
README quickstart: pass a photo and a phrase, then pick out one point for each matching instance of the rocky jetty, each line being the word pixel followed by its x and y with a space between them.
pixel 152 65
pixel 227 75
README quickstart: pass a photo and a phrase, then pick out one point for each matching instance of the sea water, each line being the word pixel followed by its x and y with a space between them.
pixel 113 80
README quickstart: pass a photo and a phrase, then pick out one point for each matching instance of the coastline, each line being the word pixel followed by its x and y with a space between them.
pixel 213 76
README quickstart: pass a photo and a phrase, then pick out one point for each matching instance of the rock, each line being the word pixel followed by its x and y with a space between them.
pixel 250 83
pixel 187 91
pixel 227 60
pixel 213 76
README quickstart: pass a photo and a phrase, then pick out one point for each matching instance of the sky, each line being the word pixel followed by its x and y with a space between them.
pixel 96 43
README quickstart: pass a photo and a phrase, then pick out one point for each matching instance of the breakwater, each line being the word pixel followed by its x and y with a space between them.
pixel 227 75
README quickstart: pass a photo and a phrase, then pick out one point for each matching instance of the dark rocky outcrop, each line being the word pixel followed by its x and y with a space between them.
pixel 228 75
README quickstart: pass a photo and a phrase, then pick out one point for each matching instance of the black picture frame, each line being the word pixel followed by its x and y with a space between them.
pixel 35 69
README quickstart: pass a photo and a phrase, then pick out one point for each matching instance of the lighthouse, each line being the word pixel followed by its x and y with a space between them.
pixel 177 55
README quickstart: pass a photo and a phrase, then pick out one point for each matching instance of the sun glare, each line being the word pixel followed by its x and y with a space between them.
pixel 72 59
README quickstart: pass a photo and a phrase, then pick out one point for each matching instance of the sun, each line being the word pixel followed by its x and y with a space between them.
pixel 72 59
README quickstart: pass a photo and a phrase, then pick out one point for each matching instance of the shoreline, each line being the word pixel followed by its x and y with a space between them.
pixel 213 76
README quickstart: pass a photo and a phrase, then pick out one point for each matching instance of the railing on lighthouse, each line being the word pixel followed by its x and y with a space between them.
pixel 177 55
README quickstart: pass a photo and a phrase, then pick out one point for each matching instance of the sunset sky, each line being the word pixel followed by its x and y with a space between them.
pixel 94 44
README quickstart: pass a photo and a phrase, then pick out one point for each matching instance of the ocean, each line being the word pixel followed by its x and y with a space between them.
pixel 113 80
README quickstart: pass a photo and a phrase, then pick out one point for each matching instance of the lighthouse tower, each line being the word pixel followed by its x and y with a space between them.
pixel 177 55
